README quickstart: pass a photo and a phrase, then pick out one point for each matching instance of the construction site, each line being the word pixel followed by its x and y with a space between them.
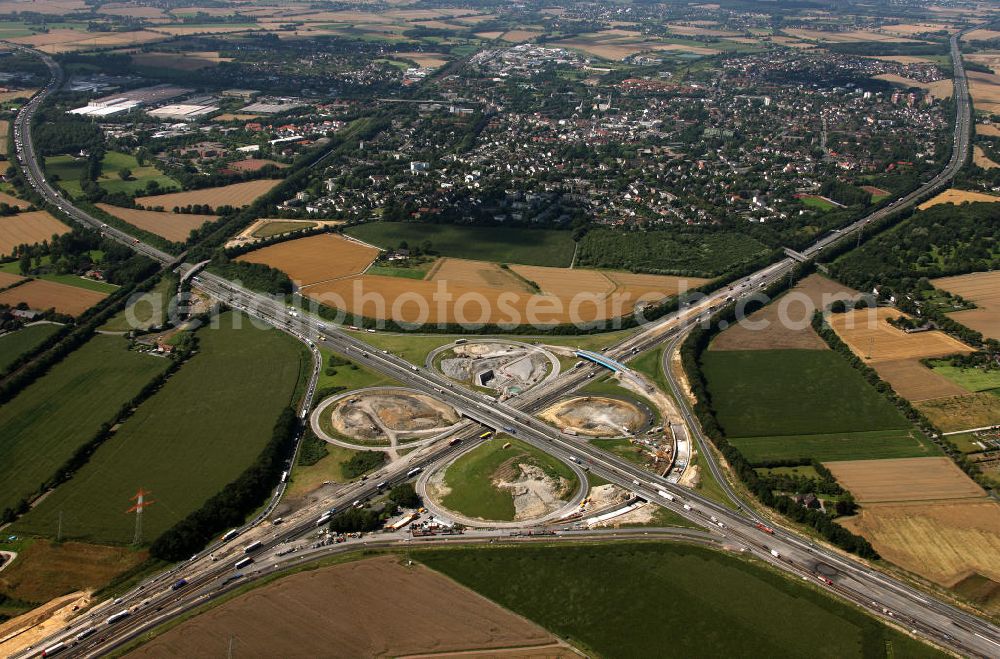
pixel 383 416
pixel 598 416
pixel 507 368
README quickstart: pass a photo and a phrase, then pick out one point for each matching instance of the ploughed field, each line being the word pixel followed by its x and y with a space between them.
pixel 370 608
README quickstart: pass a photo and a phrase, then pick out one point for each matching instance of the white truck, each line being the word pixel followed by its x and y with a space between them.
pixel 666 495
pixel 774 552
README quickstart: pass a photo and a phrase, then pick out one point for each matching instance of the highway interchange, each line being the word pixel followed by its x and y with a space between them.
pixel 210 573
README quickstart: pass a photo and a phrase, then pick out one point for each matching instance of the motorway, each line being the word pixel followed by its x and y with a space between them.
pixel 848 577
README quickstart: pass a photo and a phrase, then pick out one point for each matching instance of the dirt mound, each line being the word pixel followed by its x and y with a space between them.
pixel 535 493
pixel 597 416
pixel 388 413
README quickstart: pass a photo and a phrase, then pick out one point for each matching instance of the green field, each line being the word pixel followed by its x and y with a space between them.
pixel 14 268
pixel 141 175
pixel 973 379
pixel 470 478
pixel 198 433
pixel 817 203
pixel 669 600
pixel 68 169
pixel 792 392
pixel 350 376
pixel 45 424
pixel 147 310
pixel 497 244
pixel 277 228
pixel 667 252
pixel 872 445
pixel 15 344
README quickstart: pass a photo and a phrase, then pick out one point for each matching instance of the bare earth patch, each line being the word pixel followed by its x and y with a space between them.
pixel 369 608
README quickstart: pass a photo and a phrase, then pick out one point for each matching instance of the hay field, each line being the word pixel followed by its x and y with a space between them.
pixel 980 159
pixel 63 41
pixel 207 28
pixel 520 36
pixel 28 228
pixel 42 295
pixel 619 44
pixel 937 89
pixel 47 7
pixel 901 59
pixel 11 200
pixel 566 282
pixel 988 130
pixel 228 116
pixel 475 274
pixel 425 60
pixel 961 412
pixel 382 609
pixel 180 61
pixel 172 226
pixel 905 479
pixel 694 30
pixel 871 337
pixel 941 542
pixel 915 382
pixel 237 194
pixel 953 196
pixel 4 133
pixel 980 35
pixel 985 90
pixel 319 258
pixel 489 36
pixel 798 305
pixel 254 164
pixel 845 37
pixel 983 288
pixel 910 29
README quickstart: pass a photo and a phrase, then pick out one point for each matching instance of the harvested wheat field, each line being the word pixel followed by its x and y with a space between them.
pixel 953 196
pixel 369 608
pixel 789 319
pixel 937 89
pixel 910 29
pixel 4 133
pixel 425 60
pixel 987 130
pixel 475 274
pixel 18 93
pixel 941 542
pixel 980 159
pixel 985 90
pixel 870 336
pixel 237 195
pixel 9 279
pixel 42 295
pixel 980 35
pixel 983 288
pixel 905 479
pixel 421 301
pixel 228 116
pixel 28 229
pixel 694 30
pixel 564 281
pixel 319 258
pixel 961 412
pixel 172 226
pixel 64 41
pixel 915 382
pixel 845 37
pixel 11 200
